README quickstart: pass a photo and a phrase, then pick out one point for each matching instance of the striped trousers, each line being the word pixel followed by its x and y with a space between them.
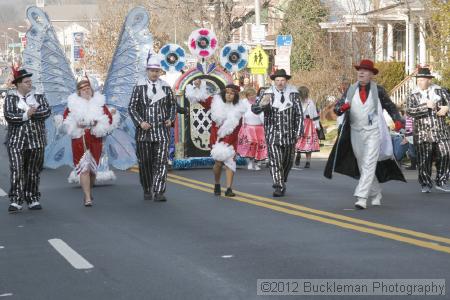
pixel 281 158
pixel 25 166
pixel 153 158
pixel 440 151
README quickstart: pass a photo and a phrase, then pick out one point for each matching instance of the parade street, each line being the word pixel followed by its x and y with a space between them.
pixel 199 246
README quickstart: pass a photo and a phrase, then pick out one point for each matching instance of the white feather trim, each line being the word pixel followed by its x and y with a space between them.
pixel 87 112
pixel 86 163
pixel 223 152
pixel 195 95
pixel 105 176
pixel 73 177
pixel 226 115
pixel 101 176
pixel 102 128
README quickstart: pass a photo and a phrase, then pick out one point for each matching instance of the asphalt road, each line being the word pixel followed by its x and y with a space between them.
pixel 199 246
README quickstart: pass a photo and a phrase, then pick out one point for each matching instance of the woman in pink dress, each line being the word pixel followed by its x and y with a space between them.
pixel 251 141
pixel 309 142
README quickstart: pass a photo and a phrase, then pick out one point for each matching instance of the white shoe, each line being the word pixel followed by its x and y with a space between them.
pixel 426 189
pixel 361 203
pixel 257 168
pixel 444 188
pixel 250 165
pixel 376 201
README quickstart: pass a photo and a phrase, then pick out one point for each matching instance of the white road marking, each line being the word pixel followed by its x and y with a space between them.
pixel 2 193
pixel 6 295
pixel 75 259
pixel 227 256
pixel 2 247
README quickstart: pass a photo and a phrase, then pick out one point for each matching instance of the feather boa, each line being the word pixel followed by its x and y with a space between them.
pixel 81 110
pixel 195 95
pixel 223 152
pixel 226 115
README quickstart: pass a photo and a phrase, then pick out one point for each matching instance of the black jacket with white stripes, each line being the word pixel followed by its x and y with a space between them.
pixel 141 110
pixel 282 127
pixel 28 134
pixel 428 126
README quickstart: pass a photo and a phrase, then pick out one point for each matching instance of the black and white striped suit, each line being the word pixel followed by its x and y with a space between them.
pixel 282 130
pixel 152 145
pixel 431 135
pixel 25 141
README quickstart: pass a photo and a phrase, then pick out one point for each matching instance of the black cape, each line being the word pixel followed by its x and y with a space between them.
pixel 342 159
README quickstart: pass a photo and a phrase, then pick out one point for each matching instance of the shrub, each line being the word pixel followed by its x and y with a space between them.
pixel 390 74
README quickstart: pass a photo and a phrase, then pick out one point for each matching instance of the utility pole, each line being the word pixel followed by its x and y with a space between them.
pixel 260 77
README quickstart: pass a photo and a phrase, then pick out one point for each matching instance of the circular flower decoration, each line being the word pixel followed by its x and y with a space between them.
pixel 173 57
pixel 233 57
pixel 202 43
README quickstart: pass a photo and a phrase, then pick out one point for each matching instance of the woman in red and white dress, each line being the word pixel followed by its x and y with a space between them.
pixel 309 142
pixel 252 141
pixel 87 120
pixel 226 115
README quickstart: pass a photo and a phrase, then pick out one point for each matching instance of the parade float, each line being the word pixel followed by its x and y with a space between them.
pixel 191 130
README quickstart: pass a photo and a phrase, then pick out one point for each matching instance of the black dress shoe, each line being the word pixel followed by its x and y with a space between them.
pixel 307 165
pixel 160 198
pixel 229 193
pixel 148 196
pixel 35 205
pixel 217 190
pixel 14 208
pixel 297 159
pixel 278 192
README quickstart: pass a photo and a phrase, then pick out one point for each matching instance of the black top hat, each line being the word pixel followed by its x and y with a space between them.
pixel 280 73
pixel 20 74
pixel 424 72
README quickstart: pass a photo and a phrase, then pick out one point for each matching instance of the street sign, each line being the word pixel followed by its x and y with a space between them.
pixel 23 41
pixel 22 34
pixel 257 71
pixel 284 40
pixel 258 59
pixel 258 33
pixel 283 62
pixel 15 45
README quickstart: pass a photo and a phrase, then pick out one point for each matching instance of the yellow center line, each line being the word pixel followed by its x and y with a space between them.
pixel 321 216
pixel 392 236
pixel 327 214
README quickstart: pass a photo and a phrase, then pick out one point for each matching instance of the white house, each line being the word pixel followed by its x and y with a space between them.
pixel 399 28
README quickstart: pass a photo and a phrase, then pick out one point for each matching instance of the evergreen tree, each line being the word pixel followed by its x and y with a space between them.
pixel 301 20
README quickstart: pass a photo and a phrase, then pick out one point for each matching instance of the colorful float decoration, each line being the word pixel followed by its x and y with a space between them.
pixel 173 58
pixel 191 133
pixel 202 43
pixel 234 57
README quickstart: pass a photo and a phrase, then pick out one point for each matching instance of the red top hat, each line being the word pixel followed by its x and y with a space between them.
pixel 367 64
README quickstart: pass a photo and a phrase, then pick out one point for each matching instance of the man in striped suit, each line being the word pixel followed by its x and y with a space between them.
pixel 25 113
pixel 283 125
pixel 429 106
pixel 152 108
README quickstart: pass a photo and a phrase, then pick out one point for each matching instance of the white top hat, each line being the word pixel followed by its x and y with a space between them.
pixel 153 61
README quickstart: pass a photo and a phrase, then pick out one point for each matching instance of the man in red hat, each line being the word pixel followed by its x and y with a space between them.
pixel 429 106
pixel 364 147
pixel 283 125
pixel 25 112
